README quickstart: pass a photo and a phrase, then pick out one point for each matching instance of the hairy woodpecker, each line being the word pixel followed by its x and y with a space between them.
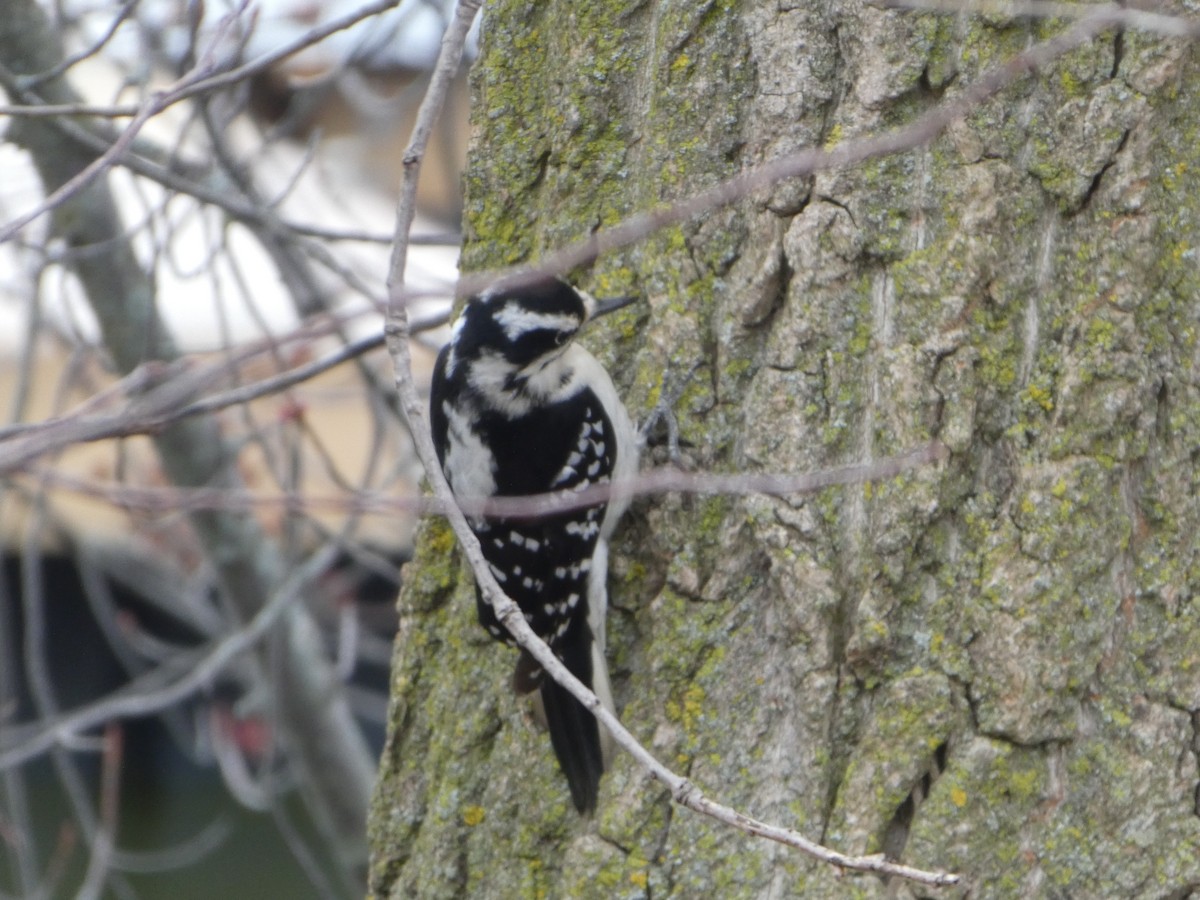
pixel 517 409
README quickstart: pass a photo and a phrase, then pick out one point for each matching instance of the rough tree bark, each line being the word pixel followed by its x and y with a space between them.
pixel 991 666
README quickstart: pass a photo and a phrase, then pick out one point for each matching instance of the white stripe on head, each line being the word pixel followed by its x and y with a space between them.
pixel 517 320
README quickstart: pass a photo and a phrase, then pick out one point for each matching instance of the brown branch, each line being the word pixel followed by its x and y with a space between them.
pixel 648 483
pixel 1119 16
pixel 682 791
pixel 260 64
pixel 147 694
pixel 675 481
pixel 77 183
pixel 162 395
pixel 448 61
pixel 852 151
pixel 199 80
pixel 68 62
pixel 332 758
pixel 55 110
pixel 103 842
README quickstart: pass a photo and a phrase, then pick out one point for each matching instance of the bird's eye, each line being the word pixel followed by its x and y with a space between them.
pixel 561 337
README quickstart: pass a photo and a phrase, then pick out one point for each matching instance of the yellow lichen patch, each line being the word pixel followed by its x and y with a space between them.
pixel 473 815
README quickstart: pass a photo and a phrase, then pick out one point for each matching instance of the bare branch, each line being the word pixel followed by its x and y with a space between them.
pixel 324 745
pixel 198 81
pixel 1119 16
pixel 449 59
pixel 163 395
pixel 103 841
pixel 187 852
pixel 682 791
pixel 68 62
pixel 147 695
pixel 264 62
pixel 55 110
pixel 651 482
pixel 801 163
pixel 156 104
pixel 668 481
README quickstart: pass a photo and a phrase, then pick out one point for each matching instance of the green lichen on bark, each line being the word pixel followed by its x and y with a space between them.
pixel 990 665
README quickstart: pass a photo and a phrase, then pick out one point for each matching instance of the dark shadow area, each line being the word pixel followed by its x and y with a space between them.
pixel 180 831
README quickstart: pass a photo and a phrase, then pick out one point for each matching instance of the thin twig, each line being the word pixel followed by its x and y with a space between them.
pixel 448 61
pixel 170 499
pixel 69 62
pixel 198 81
pixel 103 843
pixel 682 791
pixel 187 852
pixel 1119 16
pixel 55 110
pixel 850 152
pixel 146 696
pixel 148 412
pixel 156 104
pixel 262 63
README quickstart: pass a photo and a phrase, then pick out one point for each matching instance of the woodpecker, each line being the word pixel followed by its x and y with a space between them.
pixel 517 409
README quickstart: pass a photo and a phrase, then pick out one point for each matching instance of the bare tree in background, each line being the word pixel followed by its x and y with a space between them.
pixel 216 508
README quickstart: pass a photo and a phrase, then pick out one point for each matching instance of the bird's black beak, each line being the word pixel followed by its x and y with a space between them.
pixel 604 307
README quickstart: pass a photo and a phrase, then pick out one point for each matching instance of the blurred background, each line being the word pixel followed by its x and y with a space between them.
pixel 107 591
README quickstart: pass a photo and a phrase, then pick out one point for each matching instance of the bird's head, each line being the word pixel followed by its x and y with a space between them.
pixel 512 346
pixel 527 326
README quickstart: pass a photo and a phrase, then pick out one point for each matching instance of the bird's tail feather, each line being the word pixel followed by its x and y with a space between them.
pixel 574 731
pixel 584 749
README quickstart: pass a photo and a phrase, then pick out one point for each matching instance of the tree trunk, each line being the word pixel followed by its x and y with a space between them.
pixel 991 665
